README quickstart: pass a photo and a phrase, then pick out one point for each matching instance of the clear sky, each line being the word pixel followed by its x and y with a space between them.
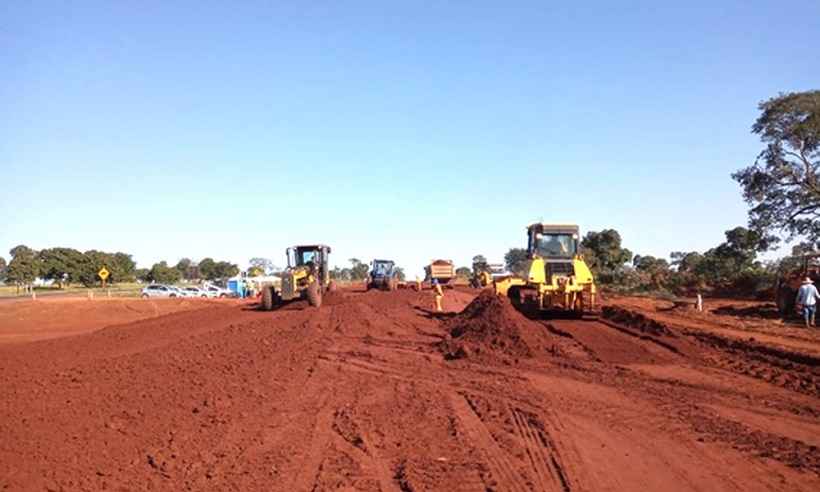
pixel 408 130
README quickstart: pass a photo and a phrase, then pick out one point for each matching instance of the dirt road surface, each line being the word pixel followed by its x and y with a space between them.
pixel 374 392
pixel 23 320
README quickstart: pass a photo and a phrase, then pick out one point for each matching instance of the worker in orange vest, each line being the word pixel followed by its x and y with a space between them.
pixel 439 293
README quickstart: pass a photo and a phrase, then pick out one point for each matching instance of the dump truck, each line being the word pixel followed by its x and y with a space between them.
pixel 555 277
pixel 383 275
pixel 306 277
pixel 788 282
pixel 441 270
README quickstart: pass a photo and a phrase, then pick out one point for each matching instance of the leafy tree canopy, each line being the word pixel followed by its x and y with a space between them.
pixel 516 260
pixel 782 185
pixel 604 254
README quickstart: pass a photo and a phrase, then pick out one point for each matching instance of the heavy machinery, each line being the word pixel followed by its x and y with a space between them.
pixel 485 273
pixel 788 282
pixel 441 270
pixel 306 277
pixel 383 275
pixel 556 277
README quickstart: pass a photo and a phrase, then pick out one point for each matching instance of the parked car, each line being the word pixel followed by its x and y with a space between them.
pixel 180 292
pixel 214 291
pixel 159 290
pixel 195 292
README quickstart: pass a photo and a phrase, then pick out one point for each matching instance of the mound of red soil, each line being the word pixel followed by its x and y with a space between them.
pixel 634 319
pixel 489 325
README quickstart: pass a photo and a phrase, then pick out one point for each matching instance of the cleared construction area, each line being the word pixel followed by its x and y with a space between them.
pixel 374 391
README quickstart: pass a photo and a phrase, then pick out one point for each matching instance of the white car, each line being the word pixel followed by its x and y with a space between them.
pixel 195 292
pixel 158 290
pixel 214 291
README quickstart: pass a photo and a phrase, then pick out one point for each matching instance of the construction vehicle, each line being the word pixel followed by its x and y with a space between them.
pixel 485 273
pixel 383 275
pixel 306 277
pixel 788 282
pixel 556 278
pixel 441 270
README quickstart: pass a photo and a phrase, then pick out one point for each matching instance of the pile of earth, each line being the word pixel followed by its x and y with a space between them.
pixel 488 326
pixel 635 319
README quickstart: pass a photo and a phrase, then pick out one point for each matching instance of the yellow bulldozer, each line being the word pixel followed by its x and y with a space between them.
pixel 306 277
pixel 556 278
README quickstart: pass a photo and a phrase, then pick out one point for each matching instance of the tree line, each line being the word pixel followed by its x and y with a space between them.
pixel 65 266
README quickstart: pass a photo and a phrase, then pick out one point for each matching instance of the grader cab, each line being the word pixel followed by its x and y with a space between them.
pixel 556 277
pixel 306 277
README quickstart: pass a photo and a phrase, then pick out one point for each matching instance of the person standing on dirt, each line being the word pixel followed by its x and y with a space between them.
pixel 807 297
pixel 439 293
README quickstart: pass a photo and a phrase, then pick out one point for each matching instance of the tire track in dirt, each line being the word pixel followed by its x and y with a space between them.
pixel 546 464
pixel 500 466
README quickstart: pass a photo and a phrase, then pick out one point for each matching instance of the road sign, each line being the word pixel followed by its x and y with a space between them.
pixel 103 273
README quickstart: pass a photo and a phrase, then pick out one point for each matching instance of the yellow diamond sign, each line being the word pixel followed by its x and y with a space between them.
pixel 103 273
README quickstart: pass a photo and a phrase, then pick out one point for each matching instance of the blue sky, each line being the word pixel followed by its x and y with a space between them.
pixel 409 130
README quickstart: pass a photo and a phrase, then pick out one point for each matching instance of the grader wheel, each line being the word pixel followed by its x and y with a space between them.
pixel 269 298
pixel 314 294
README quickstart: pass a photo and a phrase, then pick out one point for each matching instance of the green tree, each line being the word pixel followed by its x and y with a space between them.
pixel 399 273
pixel 358 270
pixel 516 260
pixel 3 266
pixel 62 265
pixel 224 269
pixel 93 261
pixel 122 268
pixel 185 266
pixel 782 186
pixel 655 270
pixel 463 272
pixel 604 254
pixel 142 274
pixel 162 273
pixel 23 267
pixel 479 263
pixel 342 274
pixel 207 269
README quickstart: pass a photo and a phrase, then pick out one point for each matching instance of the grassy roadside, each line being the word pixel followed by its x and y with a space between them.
pixel 116 290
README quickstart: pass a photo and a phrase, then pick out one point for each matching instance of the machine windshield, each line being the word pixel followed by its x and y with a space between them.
pixel 305 256
pixel 381 268
pixel 555 245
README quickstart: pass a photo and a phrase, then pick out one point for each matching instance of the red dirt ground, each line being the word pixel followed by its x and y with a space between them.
pixel 357 395
pixel 26 320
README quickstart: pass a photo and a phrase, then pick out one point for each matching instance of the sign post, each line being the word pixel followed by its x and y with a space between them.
pixel 103 274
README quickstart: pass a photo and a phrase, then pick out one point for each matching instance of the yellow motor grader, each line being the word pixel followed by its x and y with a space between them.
pixel 556 278
pixel 306 277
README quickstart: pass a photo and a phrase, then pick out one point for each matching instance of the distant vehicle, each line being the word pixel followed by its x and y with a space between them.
pixel 180 292
pixel 214 291
pixel 383 275
pixel 441 270
pixel 159 290
pixel 195 292
pixel 484 274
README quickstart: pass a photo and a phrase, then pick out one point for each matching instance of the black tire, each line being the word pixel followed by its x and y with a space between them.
pixel 222 296
pixel 145 296
pixel 785 301
pixel 172 296
pixel 314 294
pixel 514 293
pixel 267 298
